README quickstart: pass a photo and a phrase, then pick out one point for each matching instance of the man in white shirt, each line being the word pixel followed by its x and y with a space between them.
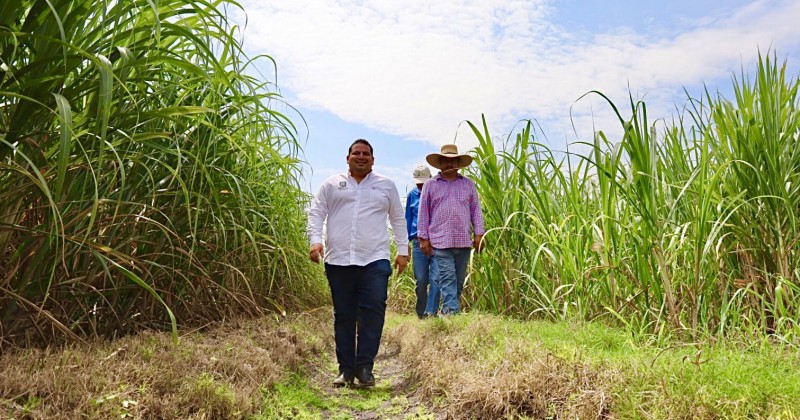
pixel 356 205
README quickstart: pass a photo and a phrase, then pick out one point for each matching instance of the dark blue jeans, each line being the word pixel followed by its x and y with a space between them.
pixel 359 307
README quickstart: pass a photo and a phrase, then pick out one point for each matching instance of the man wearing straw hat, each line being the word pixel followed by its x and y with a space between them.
pixel 450 224
pixel 352 208
pixel 420 175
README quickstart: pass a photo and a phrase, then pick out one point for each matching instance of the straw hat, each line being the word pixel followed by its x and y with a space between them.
pixel 421 174
pixel 449 151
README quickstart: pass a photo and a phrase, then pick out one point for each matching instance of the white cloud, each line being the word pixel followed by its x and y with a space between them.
pixel 417 68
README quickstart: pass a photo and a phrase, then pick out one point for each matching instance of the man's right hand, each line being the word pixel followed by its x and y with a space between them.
pixel 425 247
pixel 315 253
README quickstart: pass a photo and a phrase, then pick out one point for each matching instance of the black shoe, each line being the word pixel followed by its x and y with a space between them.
pixel 365 377
pixel 342 380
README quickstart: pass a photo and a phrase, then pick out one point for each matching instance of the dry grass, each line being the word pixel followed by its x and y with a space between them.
pixel 466 366
pixel 402 298
pixel 449 360
pixel 219 373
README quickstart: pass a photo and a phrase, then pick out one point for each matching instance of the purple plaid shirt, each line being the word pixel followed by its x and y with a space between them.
pixel 449 211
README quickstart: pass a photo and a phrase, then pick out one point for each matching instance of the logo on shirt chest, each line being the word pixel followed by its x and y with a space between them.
pixel 342 185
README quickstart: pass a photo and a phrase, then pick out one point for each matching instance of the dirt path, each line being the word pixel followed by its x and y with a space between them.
pixel 393 397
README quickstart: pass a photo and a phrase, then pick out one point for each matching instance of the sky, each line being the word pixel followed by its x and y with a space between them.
pixel 407 75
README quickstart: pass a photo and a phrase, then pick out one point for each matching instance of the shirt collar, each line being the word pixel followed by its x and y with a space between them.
pixel 366 177
pixel 440 177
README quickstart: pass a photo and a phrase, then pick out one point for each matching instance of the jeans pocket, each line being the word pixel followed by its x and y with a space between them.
pixel 382 268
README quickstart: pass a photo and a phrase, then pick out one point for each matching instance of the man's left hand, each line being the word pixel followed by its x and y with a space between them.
pixel 478 243
pixel 400 263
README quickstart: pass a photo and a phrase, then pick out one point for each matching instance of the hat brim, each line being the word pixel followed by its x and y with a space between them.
pixel 463 160
pixel 420 180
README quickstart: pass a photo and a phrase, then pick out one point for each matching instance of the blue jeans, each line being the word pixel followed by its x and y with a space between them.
pixel 448 272
pixel 359 307
pixel 422 276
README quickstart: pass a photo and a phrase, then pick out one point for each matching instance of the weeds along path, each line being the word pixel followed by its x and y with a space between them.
pixel 265 368
pixel 470 366
pixel 466 366
pixel 216 372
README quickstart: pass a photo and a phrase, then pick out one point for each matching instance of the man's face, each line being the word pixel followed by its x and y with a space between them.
pixel 360 159
pixel 448 164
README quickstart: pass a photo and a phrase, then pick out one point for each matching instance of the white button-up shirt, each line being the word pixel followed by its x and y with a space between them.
pixel 356 231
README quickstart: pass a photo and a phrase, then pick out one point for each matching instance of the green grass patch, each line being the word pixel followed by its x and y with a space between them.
pixel 300 398
pixel 294 398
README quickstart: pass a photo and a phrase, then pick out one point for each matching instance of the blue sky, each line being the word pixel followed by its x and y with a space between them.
pixel 405 75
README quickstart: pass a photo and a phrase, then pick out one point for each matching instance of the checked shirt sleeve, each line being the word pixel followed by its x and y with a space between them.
pixel 424 216
pixel 475 213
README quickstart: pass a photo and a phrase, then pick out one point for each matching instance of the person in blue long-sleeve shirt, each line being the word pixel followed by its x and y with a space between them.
pixel 427 299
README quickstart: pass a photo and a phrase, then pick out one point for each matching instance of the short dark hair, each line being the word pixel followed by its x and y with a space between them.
pixel 362 141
